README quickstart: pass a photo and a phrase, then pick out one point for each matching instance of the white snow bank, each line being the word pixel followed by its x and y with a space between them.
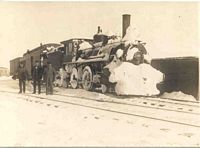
pixel 135 79
pixel 178 95
pixel 130 53
pixel 51 49
pixel 5 78
pixel 132 34
pixel 148 58
pixel 84 45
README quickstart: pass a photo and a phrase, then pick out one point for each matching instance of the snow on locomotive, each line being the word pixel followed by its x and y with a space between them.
pixel 96 63
pixel 86 59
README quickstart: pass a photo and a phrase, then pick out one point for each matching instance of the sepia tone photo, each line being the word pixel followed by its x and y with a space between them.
pixel 100 74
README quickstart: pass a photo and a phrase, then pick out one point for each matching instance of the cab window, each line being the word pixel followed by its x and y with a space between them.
pixel 70 48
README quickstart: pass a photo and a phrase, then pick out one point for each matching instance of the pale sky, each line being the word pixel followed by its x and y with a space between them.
pixel 170 29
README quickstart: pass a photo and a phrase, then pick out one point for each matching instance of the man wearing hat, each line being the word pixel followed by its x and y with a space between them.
pixel 22 75
pixel 50 73
pixel 37 73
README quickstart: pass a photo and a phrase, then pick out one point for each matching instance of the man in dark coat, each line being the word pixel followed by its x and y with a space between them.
pixel 22 75
pixel 37 73
pixel 50 73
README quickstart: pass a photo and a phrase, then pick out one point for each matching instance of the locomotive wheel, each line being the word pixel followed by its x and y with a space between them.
pixel 87 78
pixel 74 78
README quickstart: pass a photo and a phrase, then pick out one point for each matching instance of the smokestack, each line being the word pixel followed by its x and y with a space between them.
pixel 126 18
pixel 99 30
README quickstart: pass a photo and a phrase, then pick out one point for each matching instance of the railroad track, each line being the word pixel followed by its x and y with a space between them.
pixel 87 105
pixel 162 99
pixel 154 104
pixel 157 99
pixel 145 106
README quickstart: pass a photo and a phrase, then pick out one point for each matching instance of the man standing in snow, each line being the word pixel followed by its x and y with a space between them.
pixel 37 76
pixel 50 73
pixel 22 75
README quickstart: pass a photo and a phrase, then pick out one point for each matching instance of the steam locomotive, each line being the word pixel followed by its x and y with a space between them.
pixel 85 62
pixel 85 59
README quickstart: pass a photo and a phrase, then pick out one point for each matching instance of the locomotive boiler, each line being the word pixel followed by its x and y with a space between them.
pixel 85 59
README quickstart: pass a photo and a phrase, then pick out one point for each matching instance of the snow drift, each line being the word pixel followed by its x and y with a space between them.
pixel 132 79
pixel 132 35
pixel 5 78
pixel 135 79
pixel 178 96
pixel 84 45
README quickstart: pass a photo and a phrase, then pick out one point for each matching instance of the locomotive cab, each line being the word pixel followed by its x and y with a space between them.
pixel 71 48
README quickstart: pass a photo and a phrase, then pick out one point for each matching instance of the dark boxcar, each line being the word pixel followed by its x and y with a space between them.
pixel 30 57
pixel 14 63
pixel 181 74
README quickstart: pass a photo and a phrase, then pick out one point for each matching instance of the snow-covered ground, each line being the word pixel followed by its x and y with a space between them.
pixel 26 121
pixel 5 78
pixel 179 96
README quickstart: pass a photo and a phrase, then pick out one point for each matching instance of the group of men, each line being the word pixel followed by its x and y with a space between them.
pixel 38 73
